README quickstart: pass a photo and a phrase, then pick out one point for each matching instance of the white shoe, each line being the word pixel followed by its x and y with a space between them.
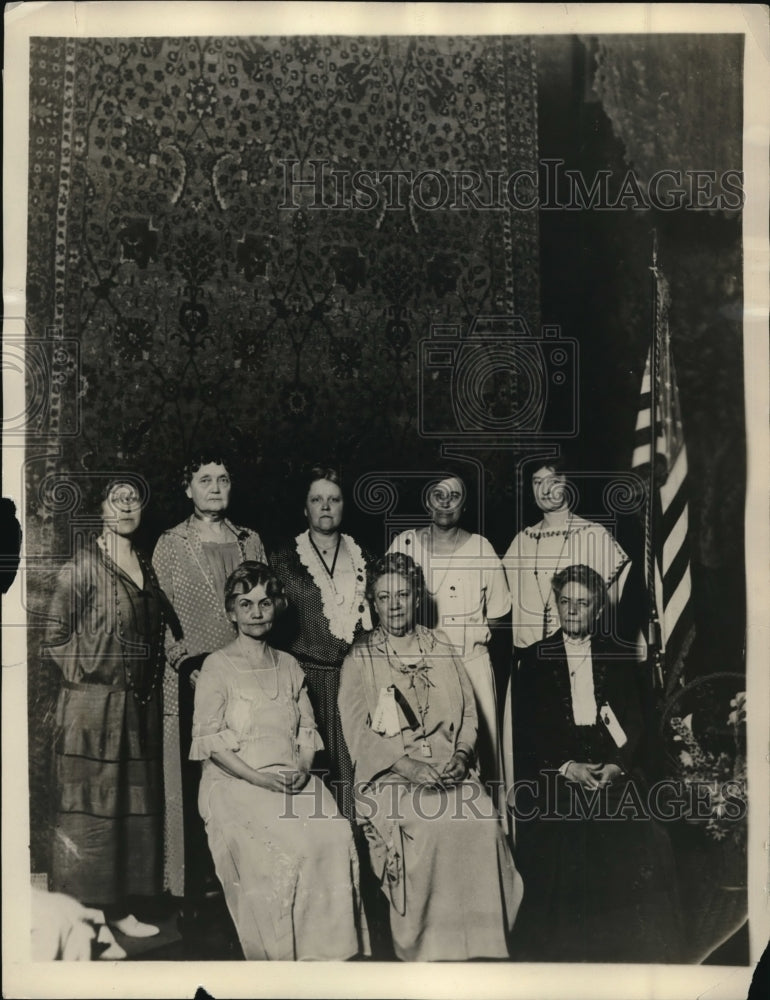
pixel 132 927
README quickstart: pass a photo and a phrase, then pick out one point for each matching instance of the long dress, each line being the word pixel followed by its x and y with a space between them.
pixel 192 573
pixel 533 558
pixel 287 863
pixel 326 613
pixel 441 856
pixel 599 875
pixel 107 639
pixel 465 589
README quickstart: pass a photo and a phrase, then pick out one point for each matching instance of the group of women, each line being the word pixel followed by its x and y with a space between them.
pixel 377 675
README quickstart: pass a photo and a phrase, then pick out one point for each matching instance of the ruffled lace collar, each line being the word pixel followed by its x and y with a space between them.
pixel 344 599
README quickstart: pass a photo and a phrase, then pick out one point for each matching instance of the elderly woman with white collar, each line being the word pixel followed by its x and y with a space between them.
pixel 192 561
pixel 467 597
pixel 596 863
pixel 535 556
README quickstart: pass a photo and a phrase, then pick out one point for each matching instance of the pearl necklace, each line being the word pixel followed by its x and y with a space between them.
pixel 257 671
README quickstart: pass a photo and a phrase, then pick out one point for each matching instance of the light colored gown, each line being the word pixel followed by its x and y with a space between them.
pixel 465 589
pixel 536 555
pixel 287 863
pixel 191 574
pixel 441 856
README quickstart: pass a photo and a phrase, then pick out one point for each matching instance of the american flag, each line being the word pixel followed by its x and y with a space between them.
pixel 671 628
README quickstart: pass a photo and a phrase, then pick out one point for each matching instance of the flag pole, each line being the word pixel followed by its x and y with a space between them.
pixel 653 625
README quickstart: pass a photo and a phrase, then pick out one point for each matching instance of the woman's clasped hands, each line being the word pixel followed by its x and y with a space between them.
pixel 288 781
pixel 592 775
pixel 422 773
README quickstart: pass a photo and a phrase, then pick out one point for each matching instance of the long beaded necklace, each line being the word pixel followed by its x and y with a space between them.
pixel 156 673
pixel 546 598
pixel 241 534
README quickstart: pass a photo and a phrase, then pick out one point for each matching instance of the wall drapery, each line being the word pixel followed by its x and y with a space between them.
pixel 658 91
pixel 211 303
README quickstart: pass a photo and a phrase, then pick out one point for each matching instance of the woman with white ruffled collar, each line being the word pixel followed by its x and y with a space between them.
pixel 323 571
pixel 436 841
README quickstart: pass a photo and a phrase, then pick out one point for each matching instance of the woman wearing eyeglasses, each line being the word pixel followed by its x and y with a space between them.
pixel 109 617
pixel 436 841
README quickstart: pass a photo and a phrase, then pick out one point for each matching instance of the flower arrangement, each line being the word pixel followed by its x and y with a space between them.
pixel 723 774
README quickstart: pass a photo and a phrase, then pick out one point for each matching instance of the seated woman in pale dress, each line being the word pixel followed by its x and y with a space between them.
pixel 435 838
pixel 283 853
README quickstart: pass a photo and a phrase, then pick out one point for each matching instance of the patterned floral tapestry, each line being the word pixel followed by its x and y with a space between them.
pixel 200 269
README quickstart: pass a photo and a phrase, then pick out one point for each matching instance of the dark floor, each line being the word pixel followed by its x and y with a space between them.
pixel 712 898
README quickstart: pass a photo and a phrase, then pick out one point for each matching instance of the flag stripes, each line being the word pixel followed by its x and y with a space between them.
pixel 667 521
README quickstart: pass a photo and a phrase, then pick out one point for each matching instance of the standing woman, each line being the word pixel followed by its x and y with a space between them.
pixel 192 561
pixel 109 617
pixel 324 574
pixel 561 538
pixel 535 556
pixel 468 597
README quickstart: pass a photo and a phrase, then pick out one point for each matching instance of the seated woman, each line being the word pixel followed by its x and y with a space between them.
pixel 436 841
pixel 468 598
pixel 598 867
pixel 291 885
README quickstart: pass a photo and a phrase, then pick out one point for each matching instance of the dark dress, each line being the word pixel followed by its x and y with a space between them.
pixel 305 631
pixel 599 883
pixel 107 639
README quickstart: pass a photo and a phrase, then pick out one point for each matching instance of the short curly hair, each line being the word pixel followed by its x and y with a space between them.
pixel 208 456
pixel 584 575
pixel 253 574
pixel 399 563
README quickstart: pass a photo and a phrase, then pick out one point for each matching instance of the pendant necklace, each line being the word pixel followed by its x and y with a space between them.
pixel 338 597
